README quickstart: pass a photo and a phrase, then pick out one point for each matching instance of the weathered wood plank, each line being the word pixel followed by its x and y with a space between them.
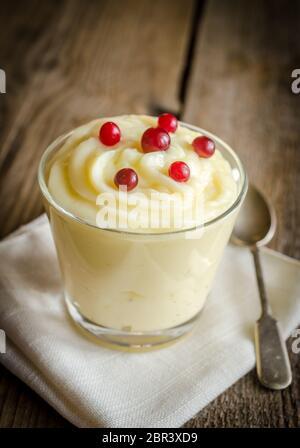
pixel 20 407
pixel 240 89
pixel 83 60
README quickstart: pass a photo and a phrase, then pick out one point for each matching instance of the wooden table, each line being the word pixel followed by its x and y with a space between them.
pixel 223 65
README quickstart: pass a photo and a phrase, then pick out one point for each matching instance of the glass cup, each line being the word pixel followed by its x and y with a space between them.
pixel 138 290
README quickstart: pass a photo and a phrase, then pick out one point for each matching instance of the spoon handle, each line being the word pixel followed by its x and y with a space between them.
pixel 265 307
pixel 272 361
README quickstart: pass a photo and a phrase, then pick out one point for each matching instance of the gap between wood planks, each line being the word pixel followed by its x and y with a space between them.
pixel 199 6
pixel 187 67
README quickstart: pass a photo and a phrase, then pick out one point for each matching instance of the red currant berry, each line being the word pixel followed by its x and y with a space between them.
pixel 126 177
pixel 155 139
pixel 109 134
pixel 179 171
pixel 204 146
pixel 168 122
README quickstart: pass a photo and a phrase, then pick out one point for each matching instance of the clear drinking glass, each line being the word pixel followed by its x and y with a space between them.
pixel 138 290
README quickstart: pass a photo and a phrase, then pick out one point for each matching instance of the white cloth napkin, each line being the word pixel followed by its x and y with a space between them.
pixel 92 386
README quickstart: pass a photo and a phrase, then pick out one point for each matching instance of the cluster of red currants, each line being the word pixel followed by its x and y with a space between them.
pixel 155 139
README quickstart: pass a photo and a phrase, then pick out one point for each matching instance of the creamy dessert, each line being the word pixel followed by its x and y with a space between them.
pixel 139 278
pixel 85 168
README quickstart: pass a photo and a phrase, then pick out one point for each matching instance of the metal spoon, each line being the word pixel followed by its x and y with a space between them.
pixel 255 227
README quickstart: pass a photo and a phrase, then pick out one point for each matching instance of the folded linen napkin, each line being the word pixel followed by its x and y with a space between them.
pixel 93 386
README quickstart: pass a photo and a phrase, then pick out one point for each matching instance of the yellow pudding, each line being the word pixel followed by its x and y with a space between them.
pixel 146 280
pixel 85 168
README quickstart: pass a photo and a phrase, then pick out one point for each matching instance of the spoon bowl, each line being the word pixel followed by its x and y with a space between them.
pixel 256 222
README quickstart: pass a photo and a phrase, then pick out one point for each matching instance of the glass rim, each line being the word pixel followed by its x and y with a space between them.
pixel 241 194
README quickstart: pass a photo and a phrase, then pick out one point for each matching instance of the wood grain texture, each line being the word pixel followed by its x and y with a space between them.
pixel 240 88
pixel 68 61
pixel 21 407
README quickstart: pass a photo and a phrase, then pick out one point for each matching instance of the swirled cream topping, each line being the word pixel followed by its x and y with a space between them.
pixel 83 171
